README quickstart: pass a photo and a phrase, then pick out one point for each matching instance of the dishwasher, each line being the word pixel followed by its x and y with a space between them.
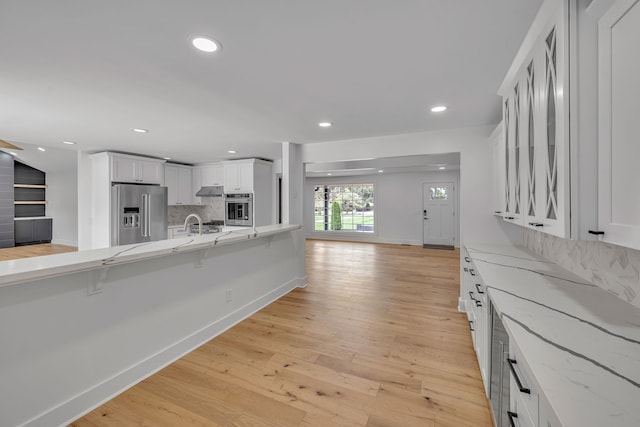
pixel 500 373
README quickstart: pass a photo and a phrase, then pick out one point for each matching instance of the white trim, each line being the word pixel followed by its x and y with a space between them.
pixel 65 242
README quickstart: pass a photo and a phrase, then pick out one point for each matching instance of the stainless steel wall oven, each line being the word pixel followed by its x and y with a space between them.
pixel 239 209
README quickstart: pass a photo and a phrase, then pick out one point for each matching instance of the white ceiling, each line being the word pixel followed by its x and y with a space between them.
pixel 88 71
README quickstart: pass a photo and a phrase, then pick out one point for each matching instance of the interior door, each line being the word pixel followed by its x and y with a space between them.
pixel 438 204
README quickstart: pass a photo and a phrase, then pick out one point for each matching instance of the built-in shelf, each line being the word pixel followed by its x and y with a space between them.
pixel 28 186
pixel 30 202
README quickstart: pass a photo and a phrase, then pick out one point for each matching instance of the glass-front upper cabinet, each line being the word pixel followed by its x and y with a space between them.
pixel 536 117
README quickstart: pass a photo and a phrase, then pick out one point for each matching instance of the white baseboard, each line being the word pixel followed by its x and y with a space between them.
pixel 65 242
pixel 90 399
pixel 461 305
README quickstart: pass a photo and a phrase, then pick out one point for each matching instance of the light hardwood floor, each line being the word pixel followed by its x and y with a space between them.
pixel 375 339
pixel 29 251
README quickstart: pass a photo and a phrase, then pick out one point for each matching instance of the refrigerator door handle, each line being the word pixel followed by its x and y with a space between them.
pixel 145 215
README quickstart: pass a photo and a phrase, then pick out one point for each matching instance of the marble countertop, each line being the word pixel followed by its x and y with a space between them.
pixel 23 270
pixel 582 343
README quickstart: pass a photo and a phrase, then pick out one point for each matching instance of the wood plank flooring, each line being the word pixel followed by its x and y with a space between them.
pixel 375 339
pixel 29 251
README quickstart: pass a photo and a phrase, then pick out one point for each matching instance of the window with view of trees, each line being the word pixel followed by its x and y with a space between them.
pixel 344 208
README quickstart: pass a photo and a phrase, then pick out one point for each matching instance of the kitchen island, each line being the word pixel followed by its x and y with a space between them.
pixel 79 328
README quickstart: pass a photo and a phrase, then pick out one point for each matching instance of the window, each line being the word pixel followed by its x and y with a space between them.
pixel 344 208
pixel 438 193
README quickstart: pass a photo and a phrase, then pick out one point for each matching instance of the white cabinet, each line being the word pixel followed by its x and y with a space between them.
pixel 476 305
pixel 178 180
pixel 499 175
pixel 536 122
pixel 138 170
pixel 212 175
pixel 619 148
pixel 238 177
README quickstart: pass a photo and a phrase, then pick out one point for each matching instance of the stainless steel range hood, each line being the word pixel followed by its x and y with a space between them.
pixel 211 191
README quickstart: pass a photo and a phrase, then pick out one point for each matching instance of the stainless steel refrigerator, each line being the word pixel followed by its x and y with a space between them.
pixel 138 213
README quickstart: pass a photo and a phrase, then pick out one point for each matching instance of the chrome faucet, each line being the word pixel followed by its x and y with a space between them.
pixel 186 222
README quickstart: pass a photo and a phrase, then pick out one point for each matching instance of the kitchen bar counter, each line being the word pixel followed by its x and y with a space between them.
pixel 581 343
pixel 79 328
pixel 29 269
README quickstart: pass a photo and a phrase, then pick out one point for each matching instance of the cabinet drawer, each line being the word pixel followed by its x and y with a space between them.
pixel 524 391
pixel 520 413
pixel 179 232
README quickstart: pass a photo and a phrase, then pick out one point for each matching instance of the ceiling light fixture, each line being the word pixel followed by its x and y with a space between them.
pixel 68 143
pixel 41 149
pixel 167 158
pixel 380 171
pixel 325 124
pixel 438 109
pixel 232 151
pixel 329 174
pixel 206 44
pixel 442 168
pixel 140 130
pixel 13 154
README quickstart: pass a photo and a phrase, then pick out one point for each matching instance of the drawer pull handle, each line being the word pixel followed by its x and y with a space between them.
pixel 523 389
pixel 509 217
pixel 596 232
pixel 478 288
pixel 466 270
pixel 471 296
pixel 472 271
pixel 536 224
pixel 478 303
pixel 467 259
pixel 471 326
pixel 511 416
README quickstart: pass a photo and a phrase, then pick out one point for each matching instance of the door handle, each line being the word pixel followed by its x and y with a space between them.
pixel 424 213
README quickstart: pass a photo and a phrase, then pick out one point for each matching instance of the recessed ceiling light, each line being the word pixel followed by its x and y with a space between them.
pixel 232 151
pixel 438 109
pixel 13 154
pixel 442 168
pixel 329 174
pixel 325 124
pixel 380 171
pixel 140 130
pixel 41 149
pixel 167 158
pixel 206 44
pixel 68 142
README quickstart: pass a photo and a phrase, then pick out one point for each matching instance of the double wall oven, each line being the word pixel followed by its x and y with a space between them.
pixel 239 209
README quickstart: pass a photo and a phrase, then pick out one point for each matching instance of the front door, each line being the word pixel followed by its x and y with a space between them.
pixel 438 203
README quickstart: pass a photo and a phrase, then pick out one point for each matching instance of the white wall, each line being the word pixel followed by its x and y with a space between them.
pixel 62 190
pixel 84 196
pixel 477 222
pixel 398 206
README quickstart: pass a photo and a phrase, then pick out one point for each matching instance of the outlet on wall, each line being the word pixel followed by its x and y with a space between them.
pixel 229 295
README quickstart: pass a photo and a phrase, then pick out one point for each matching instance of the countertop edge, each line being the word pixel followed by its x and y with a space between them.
pixel 30 269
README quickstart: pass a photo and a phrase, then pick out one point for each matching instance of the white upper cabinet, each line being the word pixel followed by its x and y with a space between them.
pixel 619 144
pixel 212 175
pixel 536 121
pixel 178 181
pixel 137 170
pixel 499 174
pixel 238 177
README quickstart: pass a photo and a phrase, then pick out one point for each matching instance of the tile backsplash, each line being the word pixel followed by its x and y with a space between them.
pixel 613 268
pixel 213 210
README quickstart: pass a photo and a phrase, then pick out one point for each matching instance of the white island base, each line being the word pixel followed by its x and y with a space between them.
pixel 77 329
